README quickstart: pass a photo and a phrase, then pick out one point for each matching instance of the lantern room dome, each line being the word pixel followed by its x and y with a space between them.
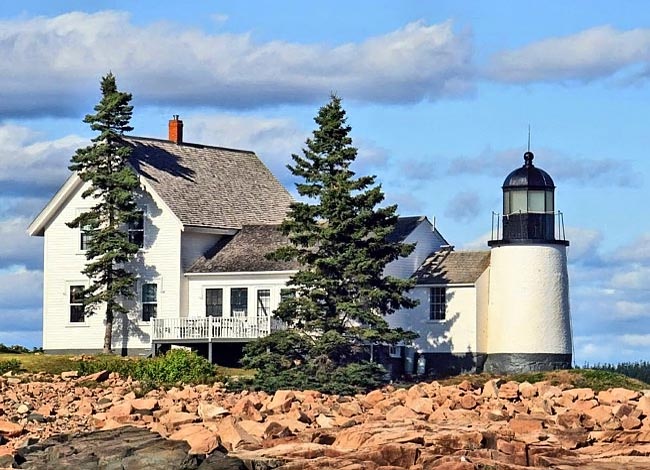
pixel 529 176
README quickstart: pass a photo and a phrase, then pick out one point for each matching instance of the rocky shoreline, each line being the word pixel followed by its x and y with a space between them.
pixel 98 421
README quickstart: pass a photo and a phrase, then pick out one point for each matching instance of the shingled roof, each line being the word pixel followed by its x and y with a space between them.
pixel 210 186
pixel 245 252
pixel 453 267
pixel 403 227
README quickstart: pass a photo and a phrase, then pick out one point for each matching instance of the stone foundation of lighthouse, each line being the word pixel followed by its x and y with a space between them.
pixel 529 326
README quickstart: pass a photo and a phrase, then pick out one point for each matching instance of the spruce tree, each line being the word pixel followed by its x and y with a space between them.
pixel 339 235
pixel 104 164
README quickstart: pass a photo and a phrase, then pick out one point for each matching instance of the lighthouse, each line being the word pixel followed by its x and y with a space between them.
pixel 528 321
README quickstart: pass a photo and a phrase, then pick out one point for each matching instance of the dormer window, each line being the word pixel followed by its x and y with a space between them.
pixel 136 230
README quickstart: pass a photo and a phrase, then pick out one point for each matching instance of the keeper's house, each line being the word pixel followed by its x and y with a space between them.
pixel 208 217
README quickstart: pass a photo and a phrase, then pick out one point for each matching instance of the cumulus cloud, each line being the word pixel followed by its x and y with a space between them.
pixel 51 63
pixel 591 54
pixel 464 206
pixel 31 165
pixel 604 171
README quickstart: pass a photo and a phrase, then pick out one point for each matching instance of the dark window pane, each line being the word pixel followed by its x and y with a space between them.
pixel 149 293
pixel 214 302
pixel 76 294
pixel 76 313
pixel 136 230
pixel 149 311
pixel 287 293
pixel 239 301
pixel 437 303
pixel 263 302
pixel 85 238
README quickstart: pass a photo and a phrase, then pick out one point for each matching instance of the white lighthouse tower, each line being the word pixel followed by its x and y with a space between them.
pixel 528 324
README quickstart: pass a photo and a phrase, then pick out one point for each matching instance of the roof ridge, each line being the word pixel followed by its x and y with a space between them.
pixel 188 144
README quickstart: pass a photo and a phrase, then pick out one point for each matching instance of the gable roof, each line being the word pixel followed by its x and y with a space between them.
pixel 210 186
pixel 404 227
pixel 452 267
pixel 245 252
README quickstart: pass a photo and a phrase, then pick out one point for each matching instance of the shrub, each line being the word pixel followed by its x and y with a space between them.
pixel 15 349
pixel 9 365
pixel 176 366
pixel 289 359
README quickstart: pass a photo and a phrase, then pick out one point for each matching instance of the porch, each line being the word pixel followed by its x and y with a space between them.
pixel 213 329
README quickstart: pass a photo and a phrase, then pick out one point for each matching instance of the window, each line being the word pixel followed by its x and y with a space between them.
pixel 239 301
pixel 84 238
pixel 214 302
pixel 77 304
pixel 136 230
pixel 437 303
pixel 536 201
pixel 263 302
pixel 149 301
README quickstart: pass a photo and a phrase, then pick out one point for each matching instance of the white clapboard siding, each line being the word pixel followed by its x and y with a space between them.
pixel 158 262
pixel 197 284
pixel 456 334
pixel 427 241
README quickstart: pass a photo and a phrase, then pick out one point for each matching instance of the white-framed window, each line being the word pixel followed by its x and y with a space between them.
pixel 263 302
pixel 214 302
pixel 84 238
pixel 239 301
pixel 149 301
pixel 136 229
pixel 437 303
pixel 77 309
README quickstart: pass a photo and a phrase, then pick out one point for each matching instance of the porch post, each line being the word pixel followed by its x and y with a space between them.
pixel 210 351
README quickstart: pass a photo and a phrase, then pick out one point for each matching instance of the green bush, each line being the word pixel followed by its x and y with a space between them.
pixel 15 349
pixel 290 359
pixel 9 365
pixel 176 366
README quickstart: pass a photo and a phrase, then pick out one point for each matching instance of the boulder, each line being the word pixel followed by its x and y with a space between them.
pixel 100 376
pixel 9 429
pixel 233 435
pixel 210 412
pixel 144 406
pixel 200 439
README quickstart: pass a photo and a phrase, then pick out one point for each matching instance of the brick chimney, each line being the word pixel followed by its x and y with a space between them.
pixel 176 130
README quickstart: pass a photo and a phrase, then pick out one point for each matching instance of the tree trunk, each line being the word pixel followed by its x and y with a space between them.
pixel 108 333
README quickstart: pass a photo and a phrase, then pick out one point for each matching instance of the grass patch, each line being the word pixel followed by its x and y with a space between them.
pixel 55 364
pixel 597 380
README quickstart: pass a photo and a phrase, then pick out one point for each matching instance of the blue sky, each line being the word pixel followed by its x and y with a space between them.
pixel 439 95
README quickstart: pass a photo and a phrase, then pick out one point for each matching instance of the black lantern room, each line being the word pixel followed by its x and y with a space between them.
pixel 528 206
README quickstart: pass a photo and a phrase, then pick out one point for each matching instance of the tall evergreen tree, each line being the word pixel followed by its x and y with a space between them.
pixel 104 164
pixel 340 237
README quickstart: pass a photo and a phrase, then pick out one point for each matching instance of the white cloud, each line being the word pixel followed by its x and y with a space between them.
pixel 591 54
pixel 636 277
pixel 17 248
pixel 636 340
pixel 584 244
pixel 19 288
pixel 50 63
pixel 626 309
pixel 28 163
pixel 604 171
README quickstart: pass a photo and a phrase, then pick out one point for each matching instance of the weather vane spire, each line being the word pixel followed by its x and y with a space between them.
pixel 529 137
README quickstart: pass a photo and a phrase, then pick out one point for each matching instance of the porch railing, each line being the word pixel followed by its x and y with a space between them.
pixel 214 328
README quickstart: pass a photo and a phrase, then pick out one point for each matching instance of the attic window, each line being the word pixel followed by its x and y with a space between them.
pixel 136 230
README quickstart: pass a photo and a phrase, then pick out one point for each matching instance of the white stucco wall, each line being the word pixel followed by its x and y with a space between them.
pixel 158 262
pixel 197 284
pixel 427 241
pixel 456 334
pixel 482 303
pixel 529 300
